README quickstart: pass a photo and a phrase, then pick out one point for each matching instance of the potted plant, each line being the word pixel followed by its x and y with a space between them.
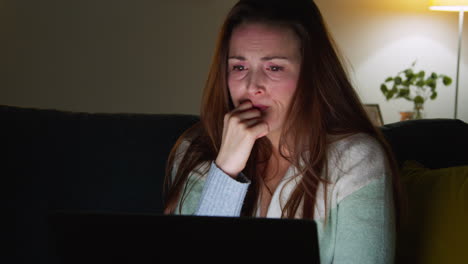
pixel 413 86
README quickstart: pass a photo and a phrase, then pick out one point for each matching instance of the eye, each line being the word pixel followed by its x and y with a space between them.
pixel 275 68
pixel 238 68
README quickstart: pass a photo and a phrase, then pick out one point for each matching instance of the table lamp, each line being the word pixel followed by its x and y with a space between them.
pixel 460 6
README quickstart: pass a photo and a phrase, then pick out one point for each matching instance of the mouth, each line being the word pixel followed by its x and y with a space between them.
pixel 261 107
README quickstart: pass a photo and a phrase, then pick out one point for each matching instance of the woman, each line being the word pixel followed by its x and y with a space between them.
pixel 283 134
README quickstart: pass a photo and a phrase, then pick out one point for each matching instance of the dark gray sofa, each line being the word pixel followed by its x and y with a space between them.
pixel 59 160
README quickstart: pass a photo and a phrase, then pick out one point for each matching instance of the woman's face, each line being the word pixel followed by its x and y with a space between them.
pixel 263 67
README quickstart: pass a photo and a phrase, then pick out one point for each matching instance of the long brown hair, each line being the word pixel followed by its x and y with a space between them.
pixel 324 104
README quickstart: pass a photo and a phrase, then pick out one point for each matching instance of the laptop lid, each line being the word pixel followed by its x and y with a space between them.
pixel 90 237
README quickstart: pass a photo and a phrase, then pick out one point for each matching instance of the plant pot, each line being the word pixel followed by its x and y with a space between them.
pixel 406 115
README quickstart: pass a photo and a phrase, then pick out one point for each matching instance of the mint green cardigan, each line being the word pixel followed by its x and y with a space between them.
pixel 360 226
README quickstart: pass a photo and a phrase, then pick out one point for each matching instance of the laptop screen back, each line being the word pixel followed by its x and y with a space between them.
pixel 154 238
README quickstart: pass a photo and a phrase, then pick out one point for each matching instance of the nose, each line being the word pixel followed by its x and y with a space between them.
pixel 256 83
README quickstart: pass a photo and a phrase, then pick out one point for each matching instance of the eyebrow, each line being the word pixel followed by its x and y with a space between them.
pixel 263 59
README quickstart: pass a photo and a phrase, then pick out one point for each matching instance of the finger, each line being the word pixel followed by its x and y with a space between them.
pixel 243 106
pixel 248 114
pixel 249 123
pixel 257 127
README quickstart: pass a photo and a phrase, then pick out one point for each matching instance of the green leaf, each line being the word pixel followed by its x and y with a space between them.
pixel 384 89
pixel 408 79
pixel 419 100
pixel 398 80
pixel 409 73
pixel 389 96
pixel 447 80
pixel 431 83
pixel 403 93
pixel 420 83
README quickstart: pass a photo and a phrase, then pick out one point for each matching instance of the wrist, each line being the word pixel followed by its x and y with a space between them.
pixel 232 173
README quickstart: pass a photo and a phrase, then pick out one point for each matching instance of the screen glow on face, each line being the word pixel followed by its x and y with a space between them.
pixel 263 67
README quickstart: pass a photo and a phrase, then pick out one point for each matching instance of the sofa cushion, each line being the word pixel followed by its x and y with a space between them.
pixel 435 228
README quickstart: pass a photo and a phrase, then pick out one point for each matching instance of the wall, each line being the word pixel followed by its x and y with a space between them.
pixel 381 38
pixel 138 56
pixel 152 56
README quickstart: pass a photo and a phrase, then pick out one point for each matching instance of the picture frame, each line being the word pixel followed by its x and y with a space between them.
pixel 374 113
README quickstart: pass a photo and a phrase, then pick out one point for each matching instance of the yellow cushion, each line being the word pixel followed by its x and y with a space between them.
pixel 435 229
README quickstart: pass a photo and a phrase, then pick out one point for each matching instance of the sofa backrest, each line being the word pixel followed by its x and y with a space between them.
pixel 435 143
pixel 71 161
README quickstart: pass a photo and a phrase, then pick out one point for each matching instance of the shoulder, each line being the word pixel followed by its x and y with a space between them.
pixel 185 141
pixel 360 142
pixel 180 151
pixel 199 170
pixel 354 162
pixel 355 149
pixel 191 136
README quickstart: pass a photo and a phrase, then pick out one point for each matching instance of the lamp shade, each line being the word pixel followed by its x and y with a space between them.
pixel 449 5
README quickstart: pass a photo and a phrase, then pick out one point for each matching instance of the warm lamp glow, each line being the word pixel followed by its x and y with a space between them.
pixel 449 5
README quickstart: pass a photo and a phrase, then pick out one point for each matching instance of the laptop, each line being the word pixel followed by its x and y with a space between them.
pixel 97 237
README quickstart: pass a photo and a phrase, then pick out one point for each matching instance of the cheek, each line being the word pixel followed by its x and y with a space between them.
pixel 285 91
pixel 234 91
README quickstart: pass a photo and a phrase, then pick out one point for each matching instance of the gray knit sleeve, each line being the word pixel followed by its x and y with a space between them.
pixel 222 195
